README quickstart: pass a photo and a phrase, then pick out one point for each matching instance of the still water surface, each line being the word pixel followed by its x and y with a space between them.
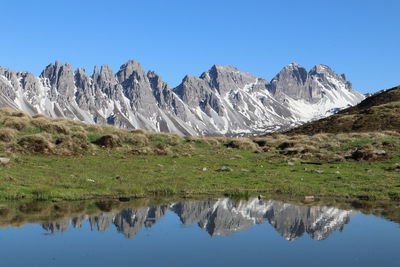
pixel 206 233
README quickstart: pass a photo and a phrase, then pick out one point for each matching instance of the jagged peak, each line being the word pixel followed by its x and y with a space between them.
pixel 223 68
pixel 105 70
pixel 129 68
pixel 95 71
pixel 321 68
pixel 53 69
pixel 131 64
pixel 81 71
pixel 292 67
pixel 152 73
pixel 189 77
pixel 105 67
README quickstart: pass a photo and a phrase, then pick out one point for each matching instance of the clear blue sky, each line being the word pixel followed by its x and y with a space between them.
pixel 358 37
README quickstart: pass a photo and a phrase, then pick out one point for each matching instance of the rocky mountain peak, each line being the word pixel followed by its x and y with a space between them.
pixel 106 73
pixel 61 78
pixel 226 78
pixel 291 81
pixel 321 68
pixel 132 67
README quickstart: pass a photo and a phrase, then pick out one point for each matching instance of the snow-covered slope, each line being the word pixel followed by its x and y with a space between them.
pixel 222 101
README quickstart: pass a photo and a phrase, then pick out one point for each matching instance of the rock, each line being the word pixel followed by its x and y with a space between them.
pixel 318 171
pixel 291 163
pixel 160 165
pixel 4 161
pixel 395 167
pixel 379 152
pixel 260 143
pixel 225 169
pixel 90 180
pixel 260 197
pixel 309 198
pixel 285 145
pixel 244 170
pixel 204 169
pixel 369 155
pixel 107 141
pixel 368 170
pixel 337 172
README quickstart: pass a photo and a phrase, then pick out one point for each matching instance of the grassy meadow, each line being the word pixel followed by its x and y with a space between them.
pixel 60 159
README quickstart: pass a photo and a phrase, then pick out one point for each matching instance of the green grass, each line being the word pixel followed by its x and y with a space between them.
pixel 93 137
pixel 116 173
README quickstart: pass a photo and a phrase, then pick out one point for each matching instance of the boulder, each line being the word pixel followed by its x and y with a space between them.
pixel 4 161
pixel 108 141
pixel 369 155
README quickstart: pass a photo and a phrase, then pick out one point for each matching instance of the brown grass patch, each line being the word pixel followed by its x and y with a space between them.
pixel 7 134
pixel 36 143
pixel 17 123
pixel 242 143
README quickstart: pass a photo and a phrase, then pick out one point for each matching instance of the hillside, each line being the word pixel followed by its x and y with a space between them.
pixel 379 112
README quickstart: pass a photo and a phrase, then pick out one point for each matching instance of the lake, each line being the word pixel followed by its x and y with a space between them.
pixel 217 232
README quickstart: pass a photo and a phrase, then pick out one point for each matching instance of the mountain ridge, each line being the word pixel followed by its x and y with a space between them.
pixel 378 112
pixel 221 101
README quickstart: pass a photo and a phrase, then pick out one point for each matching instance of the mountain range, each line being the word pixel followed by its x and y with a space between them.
pixel 220 217
pixel 221 101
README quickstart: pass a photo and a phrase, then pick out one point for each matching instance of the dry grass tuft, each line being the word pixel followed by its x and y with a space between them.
pixel 139 131
pixel 72 145
pixel 55 127
pixel 7 134
pixel 212 141
pixel 18 123
pixel 136 139
pixel 39 143
pixel 242 143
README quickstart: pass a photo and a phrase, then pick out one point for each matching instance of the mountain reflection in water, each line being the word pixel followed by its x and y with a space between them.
pixel 220 217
